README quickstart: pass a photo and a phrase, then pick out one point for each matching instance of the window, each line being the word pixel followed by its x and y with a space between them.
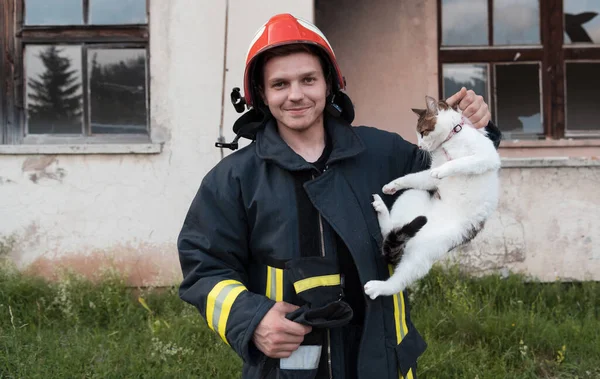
pixel 74 71
pixel 536 62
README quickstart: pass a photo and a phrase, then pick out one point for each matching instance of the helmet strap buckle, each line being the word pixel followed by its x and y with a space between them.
pixel 333 109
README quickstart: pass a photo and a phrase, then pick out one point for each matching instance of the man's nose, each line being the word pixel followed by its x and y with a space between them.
pixel 296 92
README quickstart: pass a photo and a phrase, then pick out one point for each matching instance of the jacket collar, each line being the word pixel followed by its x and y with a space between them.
pixel 270 145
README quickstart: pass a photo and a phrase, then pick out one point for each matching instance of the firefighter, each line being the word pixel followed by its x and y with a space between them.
pixel 281 236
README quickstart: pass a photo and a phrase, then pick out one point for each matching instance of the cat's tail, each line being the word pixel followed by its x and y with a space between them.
pixel 393 246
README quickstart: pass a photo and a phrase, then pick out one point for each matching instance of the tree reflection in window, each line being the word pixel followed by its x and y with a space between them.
pixel 54 95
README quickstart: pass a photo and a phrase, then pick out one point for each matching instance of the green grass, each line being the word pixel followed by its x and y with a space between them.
pixel 475 328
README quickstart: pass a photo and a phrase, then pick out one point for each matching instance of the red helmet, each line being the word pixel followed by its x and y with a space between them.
pixel 285 29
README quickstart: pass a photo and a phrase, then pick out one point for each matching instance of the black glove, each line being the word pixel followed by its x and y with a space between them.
pixel 318 283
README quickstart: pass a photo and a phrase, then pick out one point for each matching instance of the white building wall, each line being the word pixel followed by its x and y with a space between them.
pixel 87 211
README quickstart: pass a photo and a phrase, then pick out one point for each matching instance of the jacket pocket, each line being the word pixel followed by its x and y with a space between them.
pixel 408 351
pixel 302 364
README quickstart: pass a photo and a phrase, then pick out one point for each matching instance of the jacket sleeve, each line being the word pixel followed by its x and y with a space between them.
pixel 494 134
pixel 213 252
pixel 416 160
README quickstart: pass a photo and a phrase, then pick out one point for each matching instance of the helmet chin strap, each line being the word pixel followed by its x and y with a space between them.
pixel 331 107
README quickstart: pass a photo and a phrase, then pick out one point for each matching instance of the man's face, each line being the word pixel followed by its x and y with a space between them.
pixel 295 91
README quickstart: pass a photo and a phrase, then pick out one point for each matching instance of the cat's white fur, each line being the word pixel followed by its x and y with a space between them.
pixel 468 186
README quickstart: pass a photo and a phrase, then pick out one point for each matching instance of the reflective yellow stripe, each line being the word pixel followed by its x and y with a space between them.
pixel 400 320
pixel 274 287
pixel 227 303
pixel 399 313
pixel 403 308
pixel 269 282
pixel 397 319
pixel 221 308
pixel 278 284
pixel 317 281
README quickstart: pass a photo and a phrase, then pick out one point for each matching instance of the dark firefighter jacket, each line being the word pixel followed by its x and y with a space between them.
pixel 244 223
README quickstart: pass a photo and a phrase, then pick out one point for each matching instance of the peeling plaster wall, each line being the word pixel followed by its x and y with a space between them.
pixel 125 210
pixel 547 225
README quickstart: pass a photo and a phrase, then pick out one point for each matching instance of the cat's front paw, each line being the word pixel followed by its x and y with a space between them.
pixel 378 204
pixel 392 187
pixel 374 288
pixel 439 173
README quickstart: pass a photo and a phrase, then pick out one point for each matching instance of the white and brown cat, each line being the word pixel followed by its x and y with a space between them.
pixel 444 206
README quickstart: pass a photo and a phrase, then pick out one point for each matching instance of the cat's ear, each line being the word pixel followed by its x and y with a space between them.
pixel 419 112
pixel 431 104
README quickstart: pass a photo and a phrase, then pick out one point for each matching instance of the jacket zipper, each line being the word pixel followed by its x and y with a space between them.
pixel 323 255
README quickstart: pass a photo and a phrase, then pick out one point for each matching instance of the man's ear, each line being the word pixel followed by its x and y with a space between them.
pixel 419 112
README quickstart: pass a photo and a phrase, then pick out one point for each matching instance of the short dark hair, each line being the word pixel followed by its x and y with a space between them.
pixel 282 51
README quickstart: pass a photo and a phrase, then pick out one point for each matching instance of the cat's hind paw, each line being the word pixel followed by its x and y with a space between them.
pixel 378 204
pixel 374 288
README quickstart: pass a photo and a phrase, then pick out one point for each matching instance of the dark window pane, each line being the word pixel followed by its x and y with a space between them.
pixel 518 109
pixel 464 22
pixel 53 12
pixel 583 82
pixel 582 22
pixel 516 22
pixel 53 89
pixel 117 12
pixel 471 76
pixel 118 90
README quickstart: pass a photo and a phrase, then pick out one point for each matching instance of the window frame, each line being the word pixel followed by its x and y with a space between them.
pixel 552 55
pixel 15 35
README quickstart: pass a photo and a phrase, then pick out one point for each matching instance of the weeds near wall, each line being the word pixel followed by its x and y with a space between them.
pixel 476 328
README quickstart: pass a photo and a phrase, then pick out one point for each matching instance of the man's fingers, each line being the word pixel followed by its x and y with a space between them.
pixel 479 116
pixel 471 110
pixel 294 328
pixel 285 338
pixel 285 307
pixel 454 99
pixel 284 352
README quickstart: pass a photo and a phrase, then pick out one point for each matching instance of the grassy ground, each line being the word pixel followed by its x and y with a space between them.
pixel 475 328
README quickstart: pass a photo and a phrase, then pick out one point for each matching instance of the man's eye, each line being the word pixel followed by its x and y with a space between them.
pixel 309 80
pixel 277 85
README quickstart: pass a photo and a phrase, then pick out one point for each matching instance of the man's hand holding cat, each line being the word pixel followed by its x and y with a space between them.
pixel 473 107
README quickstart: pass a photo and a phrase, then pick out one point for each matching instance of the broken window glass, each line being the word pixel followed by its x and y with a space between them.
pixel 582 23
pixel 117 82
pixel 582 83
pixel 518 104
